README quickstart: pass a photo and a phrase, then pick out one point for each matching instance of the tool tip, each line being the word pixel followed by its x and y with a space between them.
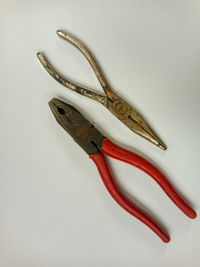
pixel 162 146
pixel 39 55
pixel 166 239
pixel 192 214
pixel 54 102
pixel 59 33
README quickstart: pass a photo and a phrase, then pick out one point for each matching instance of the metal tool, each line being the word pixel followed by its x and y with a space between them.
pixel 123 111
pixel 95 144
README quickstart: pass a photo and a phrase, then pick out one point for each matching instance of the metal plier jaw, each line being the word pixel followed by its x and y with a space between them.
pixel 81 130
pixel 117 106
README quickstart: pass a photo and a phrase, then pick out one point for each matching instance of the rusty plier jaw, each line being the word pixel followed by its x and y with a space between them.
pixel 81 130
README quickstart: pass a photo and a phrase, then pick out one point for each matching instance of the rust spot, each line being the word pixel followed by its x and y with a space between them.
pixel 82 132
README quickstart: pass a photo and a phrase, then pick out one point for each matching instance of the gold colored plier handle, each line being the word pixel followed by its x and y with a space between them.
pixel 71 85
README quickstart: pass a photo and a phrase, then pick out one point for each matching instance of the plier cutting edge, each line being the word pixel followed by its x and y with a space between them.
pixel 95 145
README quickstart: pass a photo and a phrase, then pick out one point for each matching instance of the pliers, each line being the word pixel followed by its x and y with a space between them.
pixel 115 104
pixel 95 144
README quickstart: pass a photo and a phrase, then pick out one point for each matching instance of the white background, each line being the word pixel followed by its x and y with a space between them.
pixel 54 209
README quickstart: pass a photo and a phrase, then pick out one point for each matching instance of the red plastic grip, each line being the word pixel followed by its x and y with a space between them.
pixel 119 153
pixel 108 180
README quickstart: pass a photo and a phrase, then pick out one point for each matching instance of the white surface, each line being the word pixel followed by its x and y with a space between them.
pixel 54 208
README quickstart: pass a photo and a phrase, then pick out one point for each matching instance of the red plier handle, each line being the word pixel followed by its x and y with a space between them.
pixel 119 153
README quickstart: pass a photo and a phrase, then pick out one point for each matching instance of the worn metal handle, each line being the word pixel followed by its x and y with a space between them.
pixel 71 85
pixel 65 82
pixel 90 57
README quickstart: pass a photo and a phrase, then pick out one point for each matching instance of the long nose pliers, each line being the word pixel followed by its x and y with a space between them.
pixel 115 104
pixel 95 144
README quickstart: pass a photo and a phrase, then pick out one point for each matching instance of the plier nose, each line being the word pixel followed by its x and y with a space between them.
pixel 115 104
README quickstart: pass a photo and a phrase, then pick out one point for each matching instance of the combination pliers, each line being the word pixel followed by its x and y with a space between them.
pixel 95 144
